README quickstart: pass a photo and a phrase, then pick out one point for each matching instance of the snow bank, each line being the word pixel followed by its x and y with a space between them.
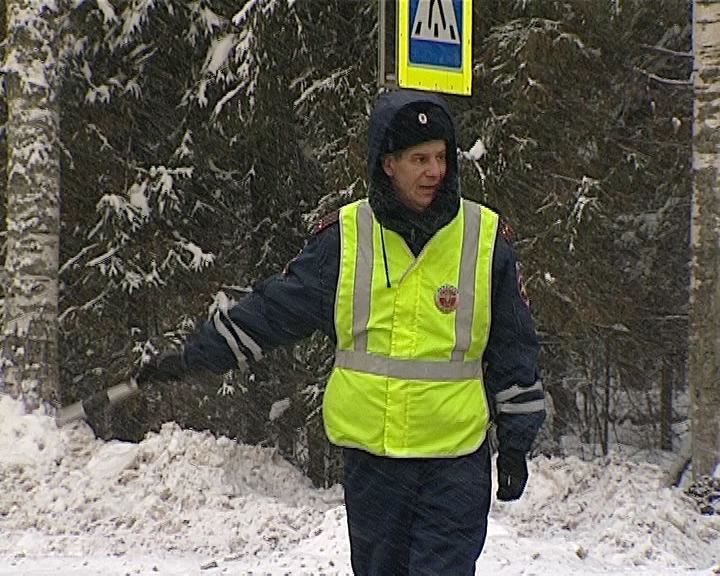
pixel 175 491
pixel 614 510
pixel 184 502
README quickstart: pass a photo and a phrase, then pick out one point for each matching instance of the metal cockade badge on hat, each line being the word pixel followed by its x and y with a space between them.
pixel 422 118
pixel 447 298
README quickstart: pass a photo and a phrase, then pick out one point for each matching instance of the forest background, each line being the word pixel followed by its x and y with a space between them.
pixel 199 141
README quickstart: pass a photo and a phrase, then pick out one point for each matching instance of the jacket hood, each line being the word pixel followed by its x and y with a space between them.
pixel 391 213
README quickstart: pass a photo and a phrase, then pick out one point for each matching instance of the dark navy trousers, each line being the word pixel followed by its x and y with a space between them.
pixel 416 516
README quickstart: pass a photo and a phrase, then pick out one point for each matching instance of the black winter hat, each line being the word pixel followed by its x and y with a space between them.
pixel 417 123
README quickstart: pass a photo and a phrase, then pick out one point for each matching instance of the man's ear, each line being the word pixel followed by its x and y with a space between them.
pixel 389 165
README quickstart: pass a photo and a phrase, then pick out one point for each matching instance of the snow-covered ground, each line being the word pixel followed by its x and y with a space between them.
pixel 186 503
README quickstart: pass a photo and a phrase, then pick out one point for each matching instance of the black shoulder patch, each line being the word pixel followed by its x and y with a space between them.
pixel 325 222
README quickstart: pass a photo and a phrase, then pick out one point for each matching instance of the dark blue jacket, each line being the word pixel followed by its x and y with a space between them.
pixel 296 302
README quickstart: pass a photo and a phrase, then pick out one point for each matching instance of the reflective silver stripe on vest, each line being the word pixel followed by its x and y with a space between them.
pixel 362 289
pixel 522 407
pixel 515 391
pixel 407 369
pixel 468 269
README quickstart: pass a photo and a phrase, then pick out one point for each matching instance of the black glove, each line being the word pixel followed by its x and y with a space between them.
pixel 167 367
pixel 512 474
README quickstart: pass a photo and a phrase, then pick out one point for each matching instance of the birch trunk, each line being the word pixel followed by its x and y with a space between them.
pixel 704 337
pixel 30 318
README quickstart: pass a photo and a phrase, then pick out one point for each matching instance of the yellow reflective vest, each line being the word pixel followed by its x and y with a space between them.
pixel 411 332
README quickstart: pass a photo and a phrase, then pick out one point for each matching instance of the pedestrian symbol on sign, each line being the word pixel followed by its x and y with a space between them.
pixel 435 21
pixel 436 33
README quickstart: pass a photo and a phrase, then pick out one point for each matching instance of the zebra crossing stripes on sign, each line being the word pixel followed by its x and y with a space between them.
pixel 435 21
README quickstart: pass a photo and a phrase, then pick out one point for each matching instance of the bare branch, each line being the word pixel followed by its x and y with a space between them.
pixel 671 81
pixel 668 51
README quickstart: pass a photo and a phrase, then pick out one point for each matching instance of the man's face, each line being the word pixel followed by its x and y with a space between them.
pixel 417 172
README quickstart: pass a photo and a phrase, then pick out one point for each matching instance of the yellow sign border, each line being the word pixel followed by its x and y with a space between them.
pixel 435 78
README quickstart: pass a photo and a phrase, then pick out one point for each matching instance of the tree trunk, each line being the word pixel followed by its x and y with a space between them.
pixel 30 322
pixel 704 321
pixel 666 407
pixel 605 439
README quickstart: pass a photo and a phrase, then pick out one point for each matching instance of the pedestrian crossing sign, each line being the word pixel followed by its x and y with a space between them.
pixel 435 45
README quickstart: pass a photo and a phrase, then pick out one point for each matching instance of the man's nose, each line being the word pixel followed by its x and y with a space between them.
pixel 434 168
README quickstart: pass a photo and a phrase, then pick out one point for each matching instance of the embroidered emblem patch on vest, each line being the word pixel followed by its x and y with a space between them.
pixel 446 298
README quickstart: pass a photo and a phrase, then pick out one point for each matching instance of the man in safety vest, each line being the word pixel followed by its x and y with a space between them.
pixel 420 291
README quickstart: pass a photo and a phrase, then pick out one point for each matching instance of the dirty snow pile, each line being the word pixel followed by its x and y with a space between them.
pixel 184 503
pixel 617 510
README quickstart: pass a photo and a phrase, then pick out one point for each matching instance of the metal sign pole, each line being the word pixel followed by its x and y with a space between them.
pixel 387 43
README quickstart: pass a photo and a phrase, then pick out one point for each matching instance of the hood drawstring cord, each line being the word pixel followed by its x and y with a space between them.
pixel 382 240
